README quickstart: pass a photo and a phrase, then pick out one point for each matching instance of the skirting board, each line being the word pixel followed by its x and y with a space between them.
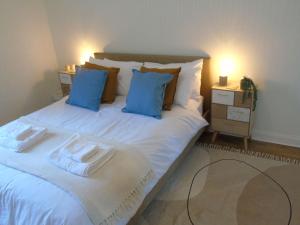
pixel 276 138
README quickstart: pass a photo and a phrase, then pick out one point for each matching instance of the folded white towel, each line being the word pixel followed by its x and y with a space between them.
pixel 85 169
pixel 16 130
pixel 79 150
pixel 36 134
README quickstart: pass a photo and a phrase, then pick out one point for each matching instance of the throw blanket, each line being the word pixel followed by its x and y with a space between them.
pixel 108 195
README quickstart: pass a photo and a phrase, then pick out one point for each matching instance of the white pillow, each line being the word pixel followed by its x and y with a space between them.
pixel 189 80
pixel 125 74
pixel 195 105
pixel 96 61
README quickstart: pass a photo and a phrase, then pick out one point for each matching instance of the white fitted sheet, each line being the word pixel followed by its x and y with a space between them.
pixel 25 199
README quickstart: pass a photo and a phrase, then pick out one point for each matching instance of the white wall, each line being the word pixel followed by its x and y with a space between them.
pixel 27 58
pixel 262 36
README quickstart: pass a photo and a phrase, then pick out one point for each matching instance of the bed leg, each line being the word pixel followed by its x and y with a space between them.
pixel 246 143
pixel 214 136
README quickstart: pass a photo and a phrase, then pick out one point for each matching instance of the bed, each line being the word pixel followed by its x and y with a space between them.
pixel 164 142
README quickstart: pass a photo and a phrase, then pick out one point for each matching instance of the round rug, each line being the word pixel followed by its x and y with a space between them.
pixel 228 192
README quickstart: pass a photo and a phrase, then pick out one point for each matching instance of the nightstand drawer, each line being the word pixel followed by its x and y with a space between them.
pixel 66 88
pixel 238 114
pixel 65 78
pixel 230 126
pixel 219 111
pixel 239 100
pixel 223 97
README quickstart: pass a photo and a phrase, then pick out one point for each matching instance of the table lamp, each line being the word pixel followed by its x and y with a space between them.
pixel 227 67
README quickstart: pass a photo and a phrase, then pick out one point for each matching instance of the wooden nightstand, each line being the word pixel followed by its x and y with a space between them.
pixel 66 80
pixel 230 113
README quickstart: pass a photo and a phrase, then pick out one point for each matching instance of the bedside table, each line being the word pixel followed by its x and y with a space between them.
pixel 66 80
pixel 230 113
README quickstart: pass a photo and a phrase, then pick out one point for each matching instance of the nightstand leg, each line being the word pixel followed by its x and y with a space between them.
pixel 246 143
pixel 214 137
pixel 250 139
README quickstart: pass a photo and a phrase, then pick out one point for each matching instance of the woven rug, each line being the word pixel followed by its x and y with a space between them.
pixel 231 187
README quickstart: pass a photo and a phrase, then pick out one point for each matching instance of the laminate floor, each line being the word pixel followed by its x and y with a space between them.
pixel 259 146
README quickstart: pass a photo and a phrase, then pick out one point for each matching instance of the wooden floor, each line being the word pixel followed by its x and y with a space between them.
pixel 281 150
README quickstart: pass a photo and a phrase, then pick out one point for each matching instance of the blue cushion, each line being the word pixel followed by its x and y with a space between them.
pixel 146 93
pixel 87 88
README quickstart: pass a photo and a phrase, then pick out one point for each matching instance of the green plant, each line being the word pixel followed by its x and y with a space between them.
pixel 248 86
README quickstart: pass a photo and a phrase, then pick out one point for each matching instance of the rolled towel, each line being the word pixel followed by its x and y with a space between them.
pixel 37 133
pixel 79 150
pixel 16 130
pixel 83 169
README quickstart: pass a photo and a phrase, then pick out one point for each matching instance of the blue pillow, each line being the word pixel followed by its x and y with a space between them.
pixel 146 93
pixel 87 88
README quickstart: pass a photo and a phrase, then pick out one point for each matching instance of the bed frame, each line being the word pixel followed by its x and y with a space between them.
pixel 205 91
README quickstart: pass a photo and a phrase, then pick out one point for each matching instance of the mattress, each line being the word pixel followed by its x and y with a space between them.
pixel 25 199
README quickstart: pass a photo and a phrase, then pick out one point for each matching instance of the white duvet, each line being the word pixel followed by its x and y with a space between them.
pixel 25 199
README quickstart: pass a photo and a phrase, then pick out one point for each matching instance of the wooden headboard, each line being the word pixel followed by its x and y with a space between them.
pixel 164 59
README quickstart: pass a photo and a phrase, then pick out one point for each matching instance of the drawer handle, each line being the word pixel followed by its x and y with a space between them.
pixel 238 112
pixel 222 95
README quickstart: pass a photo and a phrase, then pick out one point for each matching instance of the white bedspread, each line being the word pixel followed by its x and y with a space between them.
pixel 25 199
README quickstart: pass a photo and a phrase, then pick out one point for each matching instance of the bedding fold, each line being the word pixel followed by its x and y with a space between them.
pixel 30 136
pixel 161 141
pixel 16 130
pixel 80 157
pixel 78 150
pixel 109 195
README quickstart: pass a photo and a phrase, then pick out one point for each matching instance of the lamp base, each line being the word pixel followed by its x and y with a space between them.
pixel 222 81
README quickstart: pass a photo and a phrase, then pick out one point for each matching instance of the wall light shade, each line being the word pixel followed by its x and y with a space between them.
pixel 85 48
pixel 85 56
pixel 227 67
